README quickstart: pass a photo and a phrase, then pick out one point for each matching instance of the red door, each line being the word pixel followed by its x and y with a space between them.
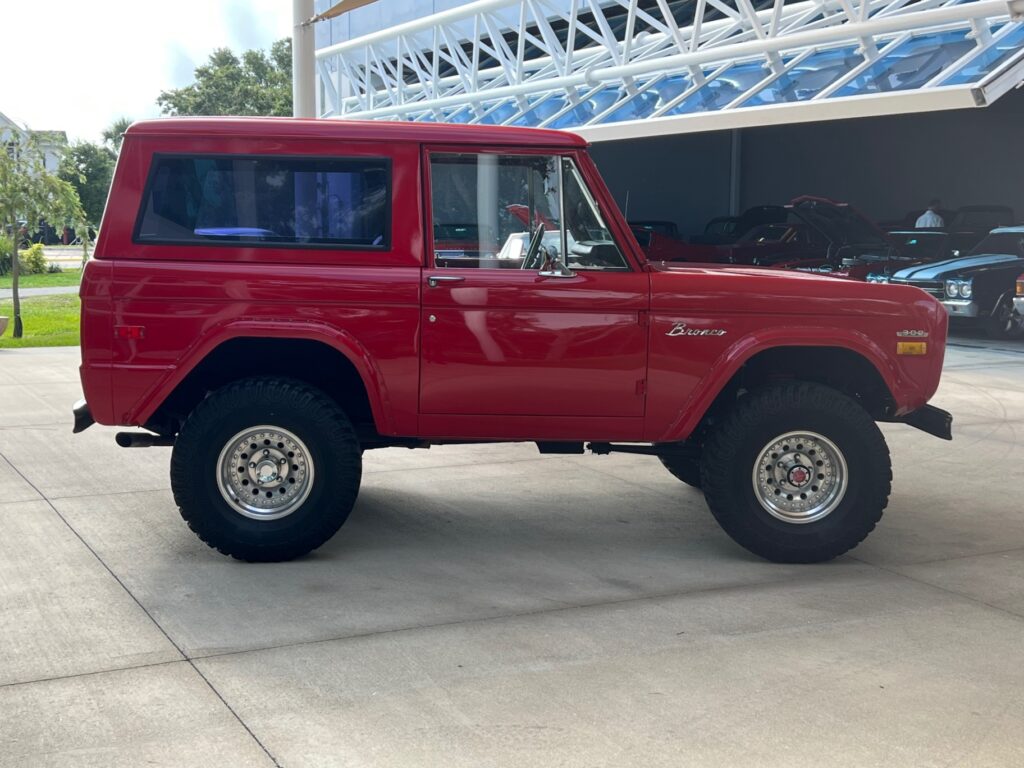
pixel 513 343
pixel 527 312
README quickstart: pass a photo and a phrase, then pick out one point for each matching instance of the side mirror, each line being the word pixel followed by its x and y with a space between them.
pixel 555 268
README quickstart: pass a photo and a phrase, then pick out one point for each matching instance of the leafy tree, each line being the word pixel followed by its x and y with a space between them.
pixel 255 84
pixel 88 168
pixel 29 192
pixel 113 134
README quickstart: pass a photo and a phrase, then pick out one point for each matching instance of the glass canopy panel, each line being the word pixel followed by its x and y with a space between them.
pixel 496 113
pixel 911 64
pixel 990 59
pixel 641 105
pixel 540 110
pixel 808 78
pixel 460 115
pixel 723 90
pixel 575 117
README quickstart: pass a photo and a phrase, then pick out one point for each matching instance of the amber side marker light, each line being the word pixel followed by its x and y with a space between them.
pixel 911 347
pixel 1020 287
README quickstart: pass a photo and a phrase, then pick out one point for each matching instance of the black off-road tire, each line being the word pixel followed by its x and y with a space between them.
pixel 304 411
pixel 683 467
pixel 733 449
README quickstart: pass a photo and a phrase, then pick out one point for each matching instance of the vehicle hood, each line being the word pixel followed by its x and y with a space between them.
pixel 840 223
pixel 958 267
pixel 743 290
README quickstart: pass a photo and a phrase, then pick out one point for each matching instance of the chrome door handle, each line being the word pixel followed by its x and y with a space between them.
pixel 434 280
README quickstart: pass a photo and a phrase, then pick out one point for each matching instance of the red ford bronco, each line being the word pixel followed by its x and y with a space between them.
pixel 274 297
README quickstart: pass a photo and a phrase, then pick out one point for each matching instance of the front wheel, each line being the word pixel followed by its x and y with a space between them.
pixel 1004 322
pixel 266 469
pixel 797 473
pixel 684 465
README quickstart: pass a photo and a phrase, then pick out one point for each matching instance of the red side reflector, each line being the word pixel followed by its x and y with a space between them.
pixel 129 331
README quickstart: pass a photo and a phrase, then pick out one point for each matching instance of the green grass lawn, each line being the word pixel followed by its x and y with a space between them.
pixel 46 280
pixel 49 321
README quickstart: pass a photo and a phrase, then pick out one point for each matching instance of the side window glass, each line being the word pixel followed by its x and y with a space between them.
pixel 589 242
pixel 340 202
pixel 530 212
pixel 487 207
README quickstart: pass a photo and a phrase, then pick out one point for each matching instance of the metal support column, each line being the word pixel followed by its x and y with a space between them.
pixel 735 171
pixel 303 60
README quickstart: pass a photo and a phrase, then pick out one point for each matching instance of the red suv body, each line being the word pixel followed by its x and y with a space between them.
pixel 421 284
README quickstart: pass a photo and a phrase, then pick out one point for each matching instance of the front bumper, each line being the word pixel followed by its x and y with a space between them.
pixel 961 308
pixel 932 420
pixel 83 416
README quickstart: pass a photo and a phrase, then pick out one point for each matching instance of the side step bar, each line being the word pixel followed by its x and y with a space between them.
pixel 142 440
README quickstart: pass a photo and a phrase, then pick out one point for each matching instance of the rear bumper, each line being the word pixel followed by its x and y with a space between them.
pixel 932 420
pixel 83 416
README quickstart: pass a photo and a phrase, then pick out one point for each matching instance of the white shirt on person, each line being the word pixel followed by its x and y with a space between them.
pixel 929 220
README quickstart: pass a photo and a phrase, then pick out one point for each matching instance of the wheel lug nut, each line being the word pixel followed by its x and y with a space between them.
pixel 266 452
pixel 252 465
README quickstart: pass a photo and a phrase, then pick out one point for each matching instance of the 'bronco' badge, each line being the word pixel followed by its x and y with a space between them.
pixel 680 329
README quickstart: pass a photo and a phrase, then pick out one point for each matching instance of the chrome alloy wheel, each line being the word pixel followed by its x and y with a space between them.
pixel 265 472
pixel 800 477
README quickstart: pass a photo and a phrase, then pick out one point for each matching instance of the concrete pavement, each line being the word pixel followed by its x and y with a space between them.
pixel 490 606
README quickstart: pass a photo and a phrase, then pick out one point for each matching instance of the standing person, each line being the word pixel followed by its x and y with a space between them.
pixel 931 219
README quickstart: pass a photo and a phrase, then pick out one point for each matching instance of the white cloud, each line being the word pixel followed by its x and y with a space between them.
pixel 77 66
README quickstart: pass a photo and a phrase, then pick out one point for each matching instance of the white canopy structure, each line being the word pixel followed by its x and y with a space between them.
pixel 616 69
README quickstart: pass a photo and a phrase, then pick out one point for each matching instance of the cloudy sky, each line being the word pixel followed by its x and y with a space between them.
pixel 76 65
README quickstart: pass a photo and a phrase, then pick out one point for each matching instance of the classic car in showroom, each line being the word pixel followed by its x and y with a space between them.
pixel 979 288
pixel 809 233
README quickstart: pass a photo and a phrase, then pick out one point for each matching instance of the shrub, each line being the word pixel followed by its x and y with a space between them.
pixel 33 262
pixel 6 249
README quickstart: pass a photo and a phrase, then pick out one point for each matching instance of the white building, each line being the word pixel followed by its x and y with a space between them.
pixel 51 143
pixel 702 107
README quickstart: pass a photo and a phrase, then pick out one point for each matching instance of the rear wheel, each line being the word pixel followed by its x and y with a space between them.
pixel 1004 322
pixel 266 469
pixel 797 473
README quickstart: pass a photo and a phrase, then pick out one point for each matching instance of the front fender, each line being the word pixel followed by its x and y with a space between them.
pixel 740 352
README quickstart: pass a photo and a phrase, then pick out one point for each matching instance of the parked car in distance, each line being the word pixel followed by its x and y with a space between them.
pixel 967 226
pixel 723 230
pixel 274 297
pixel 978 288
pixel 659 245
pixel 666 228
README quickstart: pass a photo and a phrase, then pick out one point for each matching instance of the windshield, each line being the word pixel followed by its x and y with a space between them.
pixel 840 224
pixel 921 245
pixel 1009 243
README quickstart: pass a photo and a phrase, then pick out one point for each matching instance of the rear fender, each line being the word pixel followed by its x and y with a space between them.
pixel 333 337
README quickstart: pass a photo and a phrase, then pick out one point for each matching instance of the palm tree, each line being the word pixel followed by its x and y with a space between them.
pixel 114 133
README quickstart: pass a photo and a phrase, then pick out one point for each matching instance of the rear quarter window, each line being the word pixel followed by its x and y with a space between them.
pixel 279 201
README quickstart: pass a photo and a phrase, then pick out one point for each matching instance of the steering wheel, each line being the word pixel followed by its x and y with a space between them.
pixel 534 249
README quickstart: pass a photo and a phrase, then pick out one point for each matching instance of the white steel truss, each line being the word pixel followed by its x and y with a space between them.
pixel 615 68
